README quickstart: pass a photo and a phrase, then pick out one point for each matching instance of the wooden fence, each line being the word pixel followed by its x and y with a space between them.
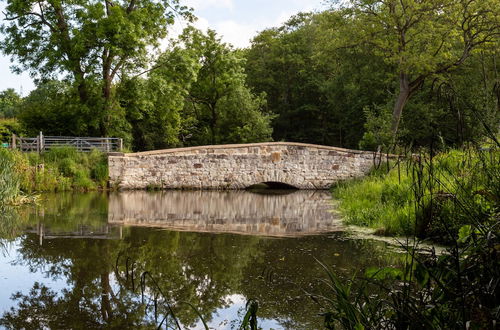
pixel 43 143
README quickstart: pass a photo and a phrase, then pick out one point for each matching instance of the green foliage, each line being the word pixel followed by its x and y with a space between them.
pixel 53 107
pixel 59 169
pixel 455 198
pixel 9 182
pixel 318 96
pixel 9 103
pixel 88 43
pixel 333 77
pixel 419 40
pixel 422 194
pixel 8 127
pixel 195 95
pixel 382 202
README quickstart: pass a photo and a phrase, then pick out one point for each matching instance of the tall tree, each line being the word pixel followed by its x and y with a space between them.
pixel 223 108
pixel 421 39
pixel 318 94
pixel 90 42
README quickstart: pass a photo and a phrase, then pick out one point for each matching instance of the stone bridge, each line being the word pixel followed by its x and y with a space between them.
pixel 239 166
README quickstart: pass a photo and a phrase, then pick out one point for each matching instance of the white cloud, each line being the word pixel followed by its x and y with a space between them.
pixel 204 4
pixel 239 35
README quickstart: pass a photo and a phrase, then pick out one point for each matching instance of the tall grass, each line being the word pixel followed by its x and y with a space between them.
pixel 427 195
pixel 452 196
pixel 457 290
pixel 60 169
pixel 9 181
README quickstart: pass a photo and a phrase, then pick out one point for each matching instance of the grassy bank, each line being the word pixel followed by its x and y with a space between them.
pixel 61 169
pixel 452 197
pixel 429 196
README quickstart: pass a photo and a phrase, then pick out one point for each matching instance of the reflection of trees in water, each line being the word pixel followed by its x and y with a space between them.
pixel 65 211
pixel 202 269
pixel 10 227
pixel 199 269
pixel 190 267
pixel 287 269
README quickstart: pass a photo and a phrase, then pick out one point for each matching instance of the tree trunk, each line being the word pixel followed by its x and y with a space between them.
pixel 403 97
pixel 107 80
pixel 106 94
pixel 213 122
pixel 82 91
pixel 106 309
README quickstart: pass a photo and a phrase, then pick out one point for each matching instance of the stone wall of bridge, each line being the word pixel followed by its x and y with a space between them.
pixel 303 166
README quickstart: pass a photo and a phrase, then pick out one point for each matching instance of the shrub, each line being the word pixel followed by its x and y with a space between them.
pixel 7 128
pixel 68 167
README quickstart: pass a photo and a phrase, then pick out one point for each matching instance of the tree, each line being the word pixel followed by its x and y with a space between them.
pixel 421 40
pixel 9 103
pixel 54 109
pixel 318 94
pixel 154 104
pixel 221 107
pixel 89 42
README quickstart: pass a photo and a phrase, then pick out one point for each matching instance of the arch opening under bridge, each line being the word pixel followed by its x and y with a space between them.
pixel 270 185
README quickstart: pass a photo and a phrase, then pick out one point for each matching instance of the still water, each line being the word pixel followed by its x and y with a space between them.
pixel 134 259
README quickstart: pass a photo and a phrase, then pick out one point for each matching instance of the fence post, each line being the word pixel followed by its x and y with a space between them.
pixel 13 145
pixel 39 144
pixel 121 145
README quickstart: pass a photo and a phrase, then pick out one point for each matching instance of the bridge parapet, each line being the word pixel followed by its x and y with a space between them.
pixel 238 166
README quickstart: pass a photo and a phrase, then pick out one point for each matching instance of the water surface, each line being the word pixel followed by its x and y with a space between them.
pixel 68 262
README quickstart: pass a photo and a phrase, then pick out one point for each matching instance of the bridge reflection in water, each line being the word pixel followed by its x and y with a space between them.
pixel 293 213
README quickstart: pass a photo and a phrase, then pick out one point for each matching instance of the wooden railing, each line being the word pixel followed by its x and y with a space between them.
pixel 85 144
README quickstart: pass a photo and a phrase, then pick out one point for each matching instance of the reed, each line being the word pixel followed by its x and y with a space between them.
pixel 452 197
pixel 426 195
pixel 9 181
pixel 59 169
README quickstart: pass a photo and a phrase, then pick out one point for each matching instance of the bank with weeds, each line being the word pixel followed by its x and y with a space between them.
pixel 427 195
pixel 59 169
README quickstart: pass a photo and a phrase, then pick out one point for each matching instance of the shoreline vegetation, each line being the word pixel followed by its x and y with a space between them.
pixel 22 175
pixel 428 196
pixel 450 197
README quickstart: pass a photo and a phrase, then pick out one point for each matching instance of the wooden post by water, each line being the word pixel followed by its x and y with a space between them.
pixel 13 145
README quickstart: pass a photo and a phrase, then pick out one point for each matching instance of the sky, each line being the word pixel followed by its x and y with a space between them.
pixel 236 21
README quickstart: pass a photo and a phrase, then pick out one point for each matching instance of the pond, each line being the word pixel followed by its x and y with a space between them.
pixel 77 260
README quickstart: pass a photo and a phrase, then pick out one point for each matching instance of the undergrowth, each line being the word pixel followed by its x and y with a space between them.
pixel 60 169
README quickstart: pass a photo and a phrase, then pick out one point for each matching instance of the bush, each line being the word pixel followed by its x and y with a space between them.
pixel 7 128
pixel 68 167
pixel 57 154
